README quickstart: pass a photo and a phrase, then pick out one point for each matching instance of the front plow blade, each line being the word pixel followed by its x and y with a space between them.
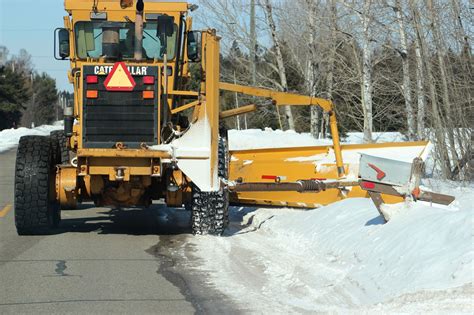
pixel 289 165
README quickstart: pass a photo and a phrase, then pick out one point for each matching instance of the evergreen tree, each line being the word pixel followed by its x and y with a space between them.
pixel 45 98
pixel 13 95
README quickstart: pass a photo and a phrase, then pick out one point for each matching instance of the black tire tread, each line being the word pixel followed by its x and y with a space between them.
pixel 59 147
pixel 210 210
pixel 34 213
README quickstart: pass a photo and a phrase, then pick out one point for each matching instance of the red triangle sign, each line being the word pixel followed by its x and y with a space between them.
pixel 119 79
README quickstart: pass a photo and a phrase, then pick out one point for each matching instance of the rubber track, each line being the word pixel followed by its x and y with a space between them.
pixel 33 211
pixel 210 210
pixel 59 144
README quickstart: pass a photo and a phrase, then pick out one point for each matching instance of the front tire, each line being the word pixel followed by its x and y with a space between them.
pixel 36 211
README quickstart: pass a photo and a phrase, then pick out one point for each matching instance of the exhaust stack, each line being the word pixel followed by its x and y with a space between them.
pixel 138 55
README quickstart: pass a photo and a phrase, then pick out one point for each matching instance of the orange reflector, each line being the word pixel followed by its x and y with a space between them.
pixel 92 94
pixel 148 94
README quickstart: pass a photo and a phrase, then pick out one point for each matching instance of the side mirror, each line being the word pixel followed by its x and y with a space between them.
pixel 62 49
pixel 194 39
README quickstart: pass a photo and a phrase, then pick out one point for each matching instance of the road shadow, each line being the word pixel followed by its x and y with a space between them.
pixel 155 220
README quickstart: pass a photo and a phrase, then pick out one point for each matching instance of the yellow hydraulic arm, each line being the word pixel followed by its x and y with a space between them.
pixel 289 99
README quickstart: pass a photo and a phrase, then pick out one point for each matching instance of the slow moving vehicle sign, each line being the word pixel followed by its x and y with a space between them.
pixel 120 79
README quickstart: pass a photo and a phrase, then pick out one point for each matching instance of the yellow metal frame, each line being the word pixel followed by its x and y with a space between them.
pixel 95 164
pixel 284 99
pixel 80 10
pixel 294 164
pixel 237 111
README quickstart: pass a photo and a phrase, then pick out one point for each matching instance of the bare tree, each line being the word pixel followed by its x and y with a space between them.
pixel 406 87
pixel 253 42
pixel 312 64
pixel 363 55
pixel 443 74
pixel 367 71
pixel 439 136
pixel 420 91
pixel 279 59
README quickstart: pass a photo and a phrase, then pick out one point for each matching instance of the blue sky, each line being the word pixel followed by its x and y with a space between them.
pixel 30 24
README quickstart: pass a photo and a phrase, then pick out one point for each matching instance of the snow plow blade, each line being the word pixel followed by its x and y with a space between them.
pixel 307 177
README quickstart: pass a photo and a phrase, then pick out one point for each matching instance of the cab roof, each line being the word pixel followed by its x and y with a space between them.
pixel 110 5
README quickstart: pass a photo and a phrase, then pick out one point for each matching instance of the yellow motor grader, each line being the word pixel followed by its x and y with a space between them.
pixel 137 133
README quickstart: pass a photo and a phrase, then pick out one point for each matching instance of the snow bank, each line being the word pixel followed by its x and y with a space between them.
pixel 9 137
pixel 379 137
pixel 342 258
pixel 268 138
pixel 421 248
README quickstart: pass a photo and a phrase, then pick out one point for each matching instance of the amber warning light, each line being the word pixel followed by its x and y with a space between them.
pixel 119 79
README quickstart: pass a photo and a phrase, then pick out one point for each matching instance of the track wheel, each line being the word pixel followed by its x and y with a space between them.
pixel 210 210
pixel 36 211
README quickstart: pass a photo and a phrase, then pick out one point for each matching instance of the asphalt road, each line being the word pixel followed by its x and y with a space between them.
pixel 100 260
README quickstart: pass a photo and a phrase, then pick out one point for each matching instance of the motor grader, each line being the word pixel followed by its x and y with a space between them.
pixel 137 133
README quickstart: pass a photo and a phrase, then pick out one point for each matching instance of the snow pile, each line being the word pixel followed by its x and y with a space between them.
pixel 268 138
pixel 343 258
pixel 259 139
pixel 352 156
pixel 379 137
pixel 9 138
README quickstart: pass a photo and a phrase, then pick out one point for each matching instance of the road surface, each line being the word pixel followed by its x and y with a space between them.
pixel 100 261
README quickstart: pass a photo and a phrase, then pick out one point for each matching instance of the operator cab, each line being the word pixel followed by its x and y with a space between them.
pixel 116 41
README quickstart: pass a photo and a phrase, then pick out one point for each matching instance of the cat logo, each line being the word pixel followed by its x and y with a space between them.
pixel 120 79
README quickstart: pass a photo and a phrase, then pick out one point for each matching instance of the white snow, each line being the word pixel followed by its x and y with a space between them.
pixel 342 258
pixel 260 139
pixel 268 138
pixel 9 137
pixel 405 154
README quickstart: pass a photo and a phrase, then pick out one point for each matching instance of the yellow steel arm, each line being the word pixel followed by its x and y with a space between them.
pixel 283 98
pixel 280 98
pixel 237 111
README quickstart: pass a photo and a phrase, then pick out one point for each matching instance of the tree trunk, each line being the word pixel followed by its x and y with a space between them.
pixel 237 118
pixel 462 91
pixel 331 63
pixel 367 73
pixel 311 75
pixel 420 91
pixel 444 79
pixel 438 126
pixel 253 43
pixel 406 88
pixel 461 33
pixel 280 62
